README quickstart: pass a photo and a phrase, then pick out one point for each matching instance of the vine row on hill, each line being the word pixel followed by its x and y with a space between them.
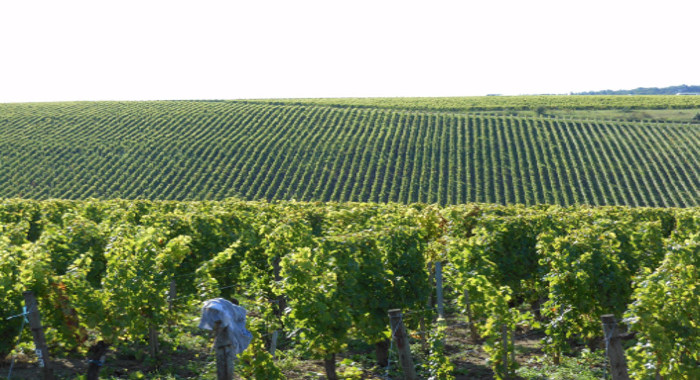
pixel 189 150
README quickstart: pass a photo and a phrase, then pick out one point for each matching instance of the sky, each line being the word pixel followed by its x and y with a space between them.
pixel 158 50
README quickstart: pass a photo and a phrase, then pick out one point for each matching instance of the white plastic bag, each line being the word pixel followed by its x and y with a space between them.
pixel 231 316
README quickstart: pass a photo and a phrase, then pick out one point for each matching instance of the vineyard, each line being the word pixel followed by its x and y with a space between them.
pixel 362 150
pixel 517 103
pixel 324 276
pixel 502 236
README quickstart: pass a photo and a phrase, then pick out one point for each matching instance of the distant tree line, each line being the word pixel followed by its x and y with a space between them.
pixel 672 90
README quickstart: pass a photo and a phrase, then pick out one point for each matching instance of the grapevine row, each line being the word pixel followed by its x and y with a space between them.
pixel 215 150
pixel 339 268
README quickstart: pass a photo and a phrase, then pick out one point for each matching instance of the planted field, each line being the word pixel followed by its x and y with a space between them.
pixel 323 277
pixel 494 103
pixel 182 150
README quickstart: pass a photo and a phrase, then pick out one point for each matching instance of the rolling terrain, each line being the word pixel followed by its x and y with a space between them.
pixel 348 151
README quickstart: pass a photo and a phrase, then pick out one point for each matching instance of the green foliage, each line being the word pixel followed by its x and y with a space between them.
pixel 10 293
pixel 326 274
pixel 278 235
pixel 491 308
pixel 314 282
pixel 503 249
pixel 208 276
pixel 131 297
pixel 585 366
pixel 350 370
pixel 403 252
pixel 256 362
pixel 587 278
pixel 439 365
pixel 665 313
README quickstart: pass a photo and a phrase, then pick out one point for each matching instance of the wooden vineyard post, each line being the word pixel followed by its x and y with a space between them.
pixel 512 342
pixel 153 341
pixel 614 350
pixel 381 350
pixel 224 353
pixel 273 343
pixel 329 366
pixel 401 339
pixel 438 290
pixel 96 359
pixel 42 352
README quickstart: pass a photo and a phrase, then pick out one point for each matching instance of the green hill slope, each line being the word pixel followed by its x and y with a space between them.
pixel 513 103
pixel 255 150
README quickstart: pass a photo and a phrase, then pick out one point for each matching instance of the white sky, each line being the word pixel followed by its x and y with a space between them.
pixel 137 50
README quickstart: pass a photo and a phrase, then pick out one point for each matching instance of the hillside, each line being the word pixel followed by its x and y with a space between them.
pixel 507 103
pixel 353 152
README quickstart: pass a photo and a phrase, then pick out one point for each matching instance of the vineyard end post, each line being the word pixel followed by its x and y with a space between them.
pixel 438 290
pixel 42 351
pixel 224 353
pixel 401 338
pixel 614 350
